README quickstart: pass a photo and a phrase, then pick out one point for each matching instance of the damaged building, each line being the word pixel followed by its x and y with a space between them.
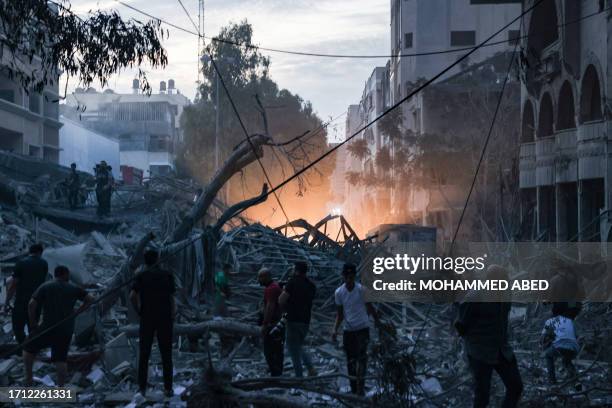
pixel 565 176
pixel 147 126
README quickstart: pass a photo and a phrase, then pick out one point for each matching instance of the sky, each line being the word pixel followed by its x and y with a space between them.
pixel 324 26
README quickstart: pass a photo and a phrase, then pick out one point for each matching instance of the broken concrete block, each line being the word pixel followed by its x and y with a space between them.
pixel 121 369
pixel 96 375
pixel 104 244
pixel 116 351
pixel 431 386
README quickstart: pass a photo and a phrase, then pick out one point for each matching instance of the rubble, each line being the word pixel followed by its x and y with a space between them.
pixel 414 360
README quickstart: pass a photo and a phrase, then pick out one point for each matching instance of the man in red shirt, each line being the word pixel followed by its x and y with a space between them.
pixel 273 343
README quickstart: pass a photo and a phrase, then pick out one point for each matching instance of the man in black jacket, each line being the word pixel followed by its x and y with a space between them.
pixel 152 296
pixel 484 328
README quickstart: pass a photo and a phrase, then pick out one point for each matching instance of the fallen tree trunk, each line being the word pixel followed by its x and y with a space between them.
pixel 225 326
pixel 243 155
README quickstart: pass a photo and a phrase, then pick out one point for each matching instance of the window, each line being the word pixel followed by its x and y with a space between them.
pixel 463 38
pixel 514 36
pixel 408 40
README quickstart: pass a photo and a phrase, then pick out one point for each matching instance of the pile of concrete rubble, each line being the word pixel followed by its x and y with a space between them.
pixel 415 357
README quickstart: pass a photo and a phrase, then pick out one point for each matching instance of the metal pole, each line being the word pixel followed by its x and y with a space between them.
pixel 217 124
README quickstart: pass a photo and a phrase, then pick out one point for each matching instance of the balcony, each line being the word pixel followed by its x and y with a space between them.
pixel 566 163
pixel 545 161
pixel 592 150
pixel 527 165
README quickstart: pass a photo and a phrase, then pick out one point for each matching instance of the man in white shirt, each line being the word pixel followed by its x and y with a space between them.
pixel 559 340
pixel 354 311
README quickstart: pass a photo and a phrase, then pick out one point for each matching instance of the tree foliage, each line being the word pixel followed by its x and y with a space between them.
pixel 384 161
pixel 39 39
pixel 359 148
pixel 298 133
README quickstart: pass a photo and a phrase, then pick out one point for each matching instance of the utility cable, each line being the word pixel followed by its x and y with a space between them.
pixel 248 138
pixel 97 300
pixel 407 97
pixel 348 56
pixel 190 19
pixel 476 171
pixel 189 242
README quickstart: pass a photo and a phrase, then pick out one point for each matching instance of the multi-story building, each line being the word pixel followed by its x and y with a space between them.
pixel 29 121
pixel 366 196
pixel 147 126
pixel 565 164
pixel 425 26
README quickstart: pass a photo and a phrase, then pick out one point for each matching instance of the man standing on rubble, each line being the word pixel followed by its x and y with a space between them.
pixel 296 300
pixel 152 296
pixel 354 311
pixel 56 298
pixel 272 335
pixel 28 275
pixel 104 182
pixel 484 328
pixel 73 183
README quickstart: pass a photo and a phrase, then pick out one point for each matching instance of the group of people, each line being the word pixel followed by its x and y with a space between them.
pixel 152 296
pixel 105 183
pixel 285 321
pixel 286 316
pixel 54 299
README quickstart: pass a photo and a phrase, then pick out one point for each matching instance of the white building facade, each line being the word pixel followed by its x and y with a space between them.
pixel 86 148
pixel 147 126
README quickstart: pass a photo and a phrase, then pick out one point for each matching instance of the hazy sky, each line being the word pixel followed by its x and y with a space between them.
pixel 326 26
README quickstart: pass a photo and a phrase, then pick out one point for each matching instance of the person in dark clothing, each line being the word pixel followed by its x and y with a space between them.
pixel 296 300
pixel 73 183
pixel 273 343
pixel 484 328
pixel 355 312
pixel 28 275
pixel 152 296
pixel 56 298
pixel 104 182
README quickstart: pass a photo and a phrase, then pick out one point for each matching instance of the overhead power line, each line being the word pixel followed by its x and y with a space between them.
pixel 190 19
pixel 476 171
pixel 248 138
pixel 189 242
pixel 407 97
pixel 357 56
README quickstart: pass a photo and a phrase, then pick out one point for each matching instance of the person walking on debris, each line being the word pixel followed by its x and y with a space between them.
pixel 559 340
pixel 273 335
pixel 484 328
pixel 222 291
pixel 296 300
pixel 28 275
pixel 104 186
pixel 152 296
pixel 354 311
pixel 57 299
pixel 73 183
